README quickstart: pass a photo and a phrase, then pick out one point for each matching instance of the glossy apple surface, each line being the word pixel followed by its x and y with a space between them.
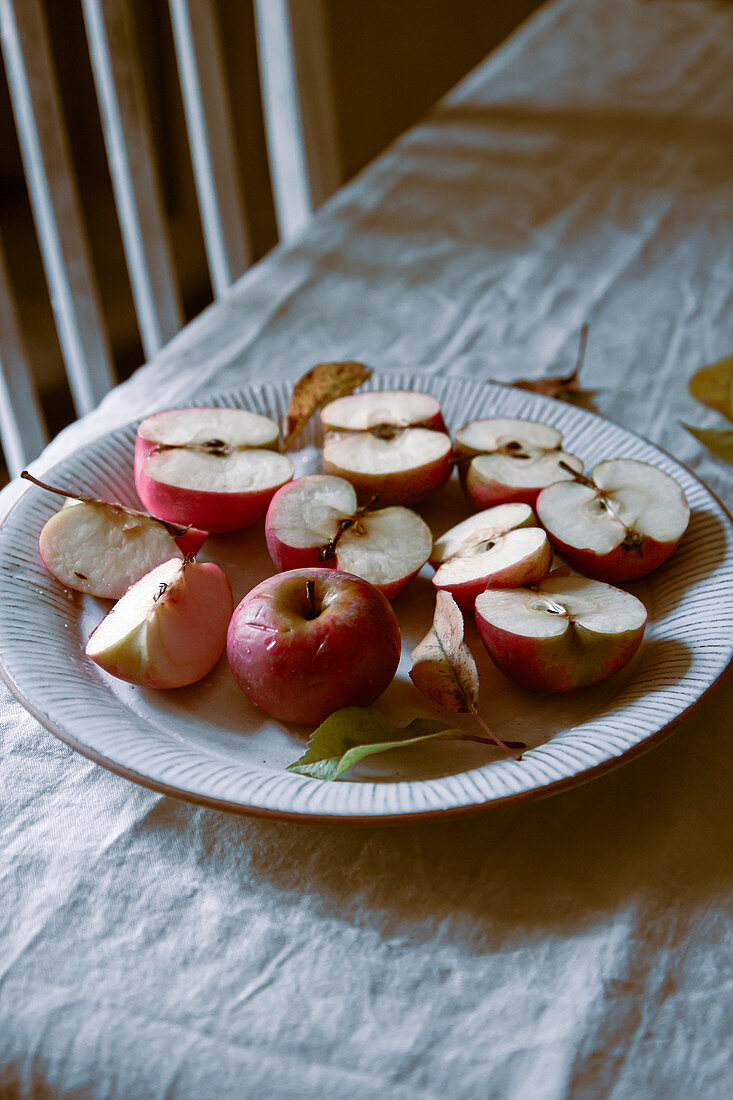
pixel 169 629
pixel 618 526
pixel 388 444
pixel 213 469
pixel 564 634
pixel 315 520
pixel 510 459
pixel 307 642
pixel 501 547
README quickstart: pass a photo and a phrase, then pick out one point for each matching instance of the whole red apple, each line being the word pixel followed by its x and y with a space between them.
pixel 304 643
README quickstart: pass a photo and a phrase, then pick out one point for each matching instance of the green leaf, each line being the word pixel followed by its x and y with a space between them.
pixel 719 440
pixel 713 386
pixel 353 733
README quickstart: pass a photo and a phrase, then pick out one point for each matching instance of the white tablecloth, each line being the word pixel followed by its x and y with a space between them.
pixel 572 947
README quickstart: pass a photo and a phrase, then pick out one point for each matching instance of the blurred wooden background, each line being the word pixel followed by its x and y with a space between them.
pixel 390 60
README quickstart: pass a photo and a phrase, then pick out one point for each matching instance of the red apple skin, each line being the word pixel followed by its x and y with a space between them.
pixel 620 565
pixel 404 487
pixel 487 494
pixel 191 541
pixel 211 511
pixel 301 669
pixel 512 577
pixel 554 664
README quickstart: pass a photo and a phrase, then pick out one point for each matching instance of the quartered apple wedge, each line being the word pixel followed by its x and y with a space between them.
pixel 390 444
pixel 501 547
pixel 510 460
pixel 169 629
pixel 212 468
pixel 563 634
pixel 316 520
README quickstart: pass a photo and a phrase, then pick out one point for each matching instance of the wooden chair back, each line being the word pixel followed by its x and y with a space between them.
pixel 300 131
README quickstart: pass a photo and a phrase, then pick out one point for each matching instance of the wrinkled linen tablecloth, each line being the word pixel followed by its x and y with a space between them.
pixel 573 947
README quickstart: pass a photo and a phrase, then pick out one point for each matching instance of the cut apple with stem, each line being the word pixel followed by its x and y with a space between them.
pixel 618 525
pixel 501 547
pixel 510 459
pixel 565 633
pixel 100 547
pixel 316 521
pixel 211 468
pixel 391 444
pixel 169 629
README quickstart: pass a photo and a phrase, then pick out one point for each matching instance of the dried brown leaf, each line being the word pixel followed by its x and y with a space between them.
pixel 443 667
pixel 563 387
pixel 713 386
pixel 323 383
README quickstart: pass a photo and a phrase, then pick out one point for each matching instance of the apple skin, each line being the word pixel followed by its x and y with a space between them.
pixel 395 487
pixel 301 669
pixel 620 566
pixel 190 619
pixel 218 513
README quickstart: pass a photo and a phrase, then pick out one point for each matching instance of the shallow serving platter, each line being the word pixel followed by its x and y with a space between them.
pixel 208 744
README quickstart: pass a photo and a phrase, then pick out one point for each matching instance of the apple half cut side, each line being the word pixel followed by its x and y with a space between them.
pixel 618 525
pixel 210 468
pixel 501 547
pixel 316 521
pixel 101 547
pixel 565 633
pixel 510 459
pixel 307 642
pixel 169 629
pixel 363 412
pixel 390 444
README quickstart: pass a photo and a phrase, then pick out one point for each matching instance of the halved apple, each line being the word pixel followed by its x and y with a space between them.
pixel 212 468
pixel 501 547
pixel 390 444
pixel 566 633
pixel 619 525
pixel 169 629
pixel 316 520
pixel 510 459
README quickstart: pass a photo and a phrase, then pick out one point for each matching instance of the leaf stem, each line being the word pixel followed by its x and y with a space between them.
pixel 497 740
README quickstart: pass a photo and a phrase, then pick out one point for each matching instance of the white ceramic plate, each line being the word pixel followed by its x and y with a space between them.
pixel 208 744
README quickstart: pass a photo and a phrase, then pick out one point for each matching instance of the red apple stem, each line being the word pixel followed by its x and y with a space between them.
pixel 310 596
pixel 52 489
pixel 516 755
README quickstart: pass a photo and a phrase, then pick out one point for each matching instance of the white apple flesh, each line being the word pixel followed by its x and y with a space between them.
pixel 510 459
pixel 618 526
pixel 390 444
pixel 564 634
pixel 101 549
pixel 307 642
pixel 501 547
pixel 316 521
pixel 169 629
pixel 210 468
